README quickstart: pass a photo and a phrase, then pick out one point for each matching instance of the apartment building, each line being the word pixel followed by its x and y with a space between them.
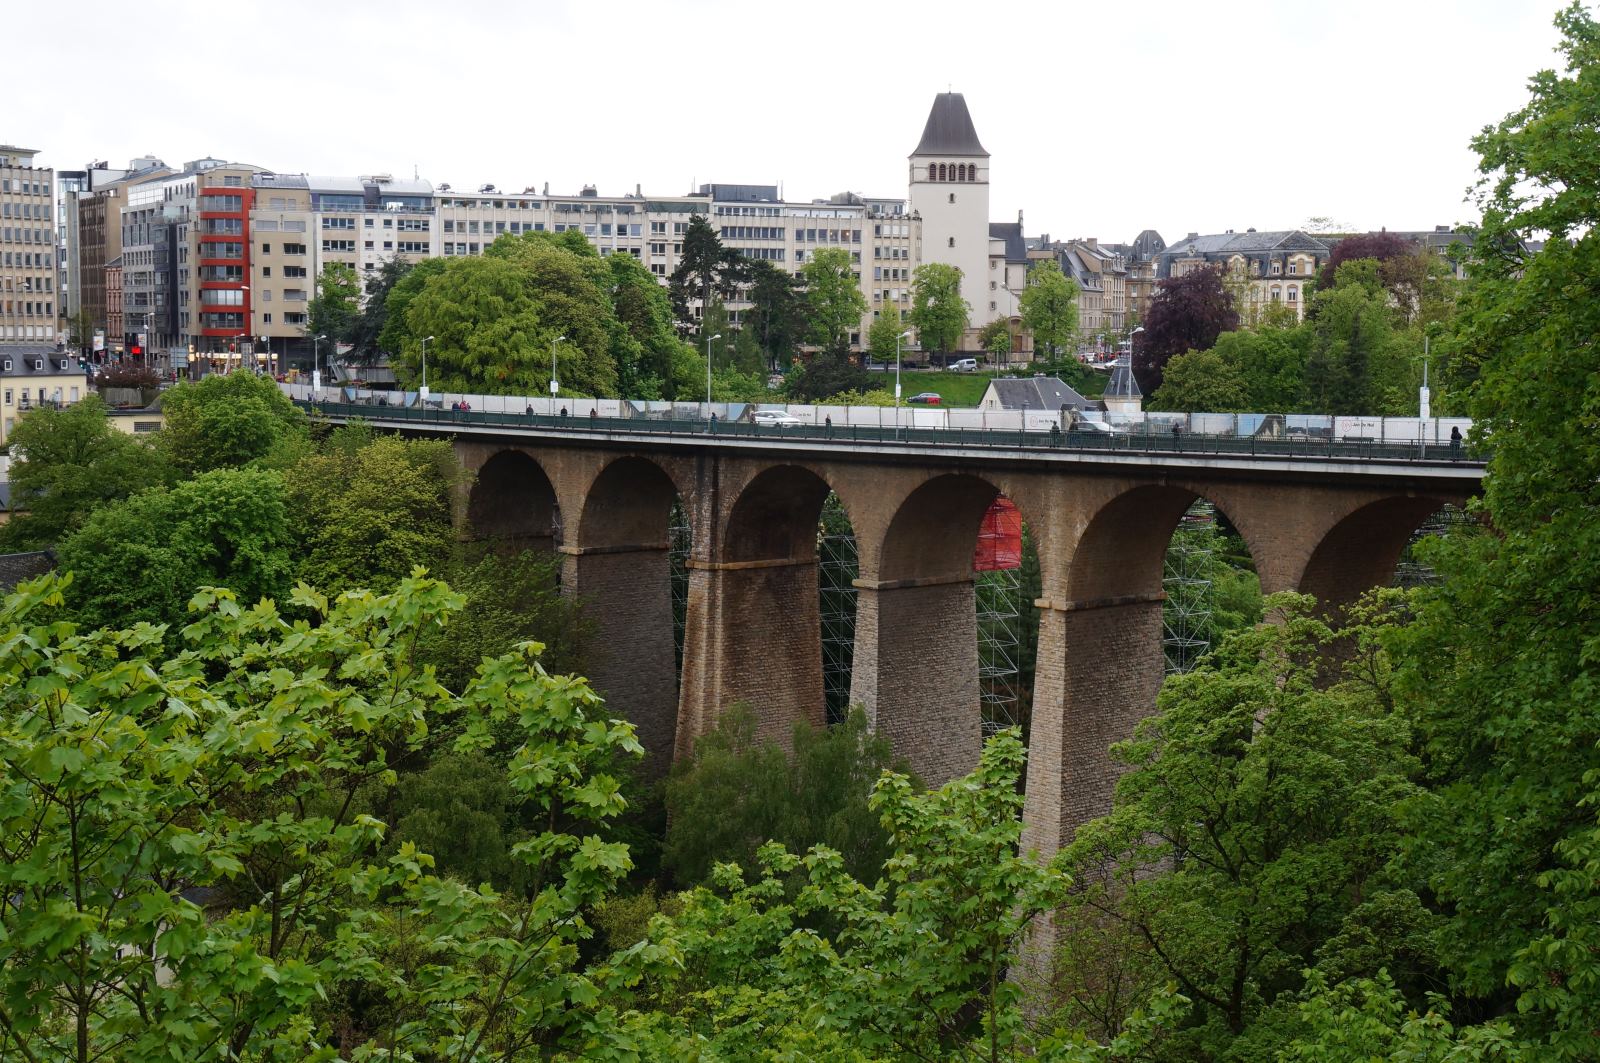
pixel 31 378
pixel 29 286
pixel 1279 266
pixel 98 239
pixel 167 247
pixel 115 324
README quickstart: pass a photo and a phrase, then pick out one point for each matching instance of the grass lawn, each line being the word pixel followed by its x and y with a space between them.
pixel 966 389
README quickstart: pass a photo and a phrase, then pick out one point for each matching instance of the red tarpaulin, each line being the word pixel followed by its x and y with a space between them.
pixel 999 538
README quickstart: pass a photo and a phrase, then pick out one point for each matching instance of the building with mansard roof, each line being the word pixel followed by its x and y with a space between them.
pixel 1280 265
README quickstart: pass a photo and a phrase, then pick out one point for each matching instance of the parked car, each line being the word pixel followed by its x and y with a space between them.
pixel 926 398
pixel 964 365
pixel 776 418
pixel 1093 428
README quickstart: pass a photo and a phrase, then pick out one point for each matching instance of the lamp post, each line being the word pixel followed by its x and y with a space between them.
pixel 422 392
pixel 555 385
pixel 240 341
pixel 897 340
pixel 718 336
pixel 316 362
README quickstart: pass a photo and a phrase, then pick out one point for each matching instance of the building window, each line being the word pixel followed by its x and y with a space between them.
pixel 952 241
pixel 952 197
pixel 1294 267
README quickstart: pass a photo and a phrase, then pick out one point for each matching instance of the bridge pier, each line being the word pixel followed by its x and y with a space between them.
pixel 626 593
pixel 915 671
pixel 752 634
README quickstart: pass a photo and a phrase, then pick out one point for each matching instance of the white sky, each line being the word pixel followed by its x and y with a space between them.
pixel 1102 118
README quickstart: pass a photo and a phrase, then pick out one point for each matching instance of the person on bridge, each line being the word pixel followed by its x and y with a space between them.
pixel 563 411
pixel 827 425
pixel 594 418
pixel 1176 431
pixel 1455 442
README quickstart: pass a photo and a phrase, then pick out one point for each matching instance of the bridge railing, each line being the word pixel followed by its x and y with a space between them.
pixel 1303 448
pixel 1298 427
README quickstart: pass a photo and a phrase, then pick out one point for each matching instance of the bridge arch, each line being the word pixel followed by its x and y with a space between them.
pixel 1363 548
pixel 513 503
pixel 617 565
pixel 753 629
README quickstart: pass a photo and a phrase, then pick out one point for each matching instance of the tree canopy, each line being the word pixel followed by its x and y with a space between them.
pixel 68 463
pixel 228 421
pixel 1187 313
pixel 833 300
pixel 937 308
pixel 1049 307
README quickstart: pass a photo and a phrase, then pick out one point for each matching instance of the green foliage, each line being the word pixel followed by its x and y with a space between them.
pixel 395 334
pixel 917 967
pixel 1368 1018
pixel 509 600
pixel 883 336
pixel 1201 382
pixel 229 421
pixel 367 328
pixel 875 397
pixel 645 346
pixel 736 793
pixel 142 559
pixel 995 337
pixel 1049 308
pixel 705 269
pixel 833 300
pixel 68 463
pixel 333 311
pixel 1267 797
pixel 827 374
pixel 937 308
pixel 372 508
pixel 775 316
pixel 715 322
pixel 1356 363
pixel 138 785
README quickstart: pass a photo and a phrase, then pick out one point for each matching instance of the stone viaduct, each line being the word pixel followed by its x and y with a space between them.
pixel 1101 522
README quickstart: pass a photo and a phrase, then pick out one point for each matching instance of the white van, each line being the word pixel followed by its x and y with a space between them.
pixel 964 365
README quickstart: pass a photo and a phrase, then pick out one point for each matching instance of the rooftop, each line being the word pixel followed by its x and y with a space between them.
pixel 949 130
pixel 1038 393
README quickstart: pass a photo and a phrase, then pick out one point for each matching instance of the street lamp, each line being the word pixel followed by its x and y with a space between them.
pixel 897 340
pixel 316 362
pixel 555 385
pixel 718 336
pixel 422 392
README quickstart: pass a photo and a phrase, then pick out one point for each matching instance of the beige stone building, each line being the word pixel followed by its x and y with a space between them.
pixel 1273 268
pixel 99 238
pixel 30 379
pixel 29 306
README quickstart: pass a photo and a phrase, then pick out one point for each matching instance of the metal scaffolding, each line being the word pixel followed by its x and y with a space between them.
pixel 997 593
pixel 837 569
pixel 1186 613
pixel 1411 571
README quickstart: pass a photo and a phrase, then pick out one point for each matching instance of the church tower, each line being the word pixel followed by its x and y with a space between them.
pixel 950 190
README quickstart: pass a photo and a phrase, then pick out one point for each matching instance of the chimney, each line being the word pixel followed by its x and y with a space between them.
pixel 638 189
pixel 1193 236
pixel 1019 216
pixel 547 188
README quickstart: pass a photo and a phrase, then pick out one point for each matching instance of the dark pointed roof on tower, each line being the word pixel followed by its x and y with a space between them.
pixel 949 130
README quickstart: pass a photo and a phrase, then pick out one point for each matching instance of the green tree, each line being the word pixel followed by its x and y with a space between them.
pixel 366 331
pixel 1356 360
pixel 228 421
pixel 737 793
pixel 715 322
pixel 705 268
pixel 748 357
pixel 332 312
pixel 775 315
pixel 1049 308
pixel 395 335
pixel 188 874
pixel 67 463
pixel 883 337
pixel 995 337
pixel 80 330
pixel 1201 381
pixel 370 509
pixel 937 309
pixel 833 300
pixel 1500 665
pixel 914 966
pixel 648 344
pixel 1255 834
pixel 142 559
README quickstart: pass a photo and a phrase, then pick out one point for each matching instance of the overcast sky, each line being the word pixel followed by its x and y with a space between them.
pixel 1102 119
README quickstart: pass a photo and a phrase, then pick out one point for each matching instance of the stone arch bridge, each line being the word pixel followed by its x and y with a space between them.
pixel 601 496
